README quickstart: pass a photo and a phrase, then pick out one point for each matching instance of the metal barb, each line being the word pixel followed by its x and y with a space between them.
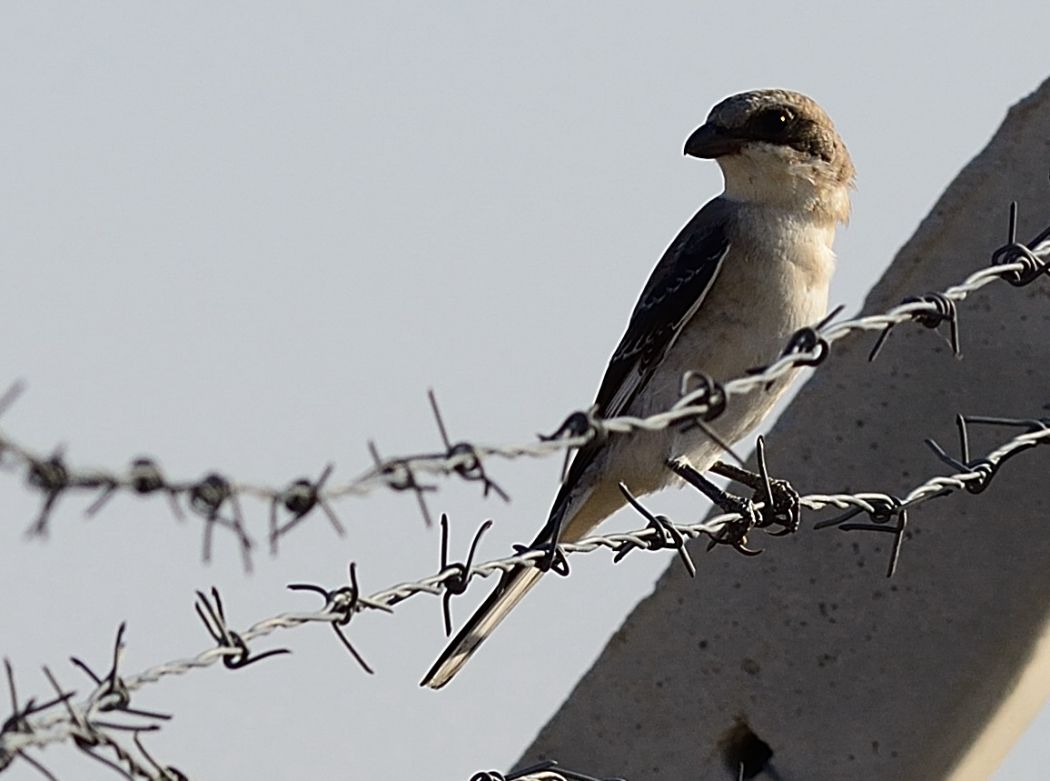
pixel 36 765
pixel 214 619
pixel 964 438
pixel 712 396
pixel 983 468
pixel 111 693
pixel 19 722
pixel 470 469
pixel 299 499
pixel 88 735
pixel 207 498
pixel 809 340
pixel 881 510
pixel 666 535
pixel 1014 253
pixel 167 772
pixel 405 479
pixel 51 477
pixel 699 389
pixel 11 395
pixel 579 425
pixel 457 582
pixel 341 603
pixel 898 540
pixel 553 558
pixel 939 309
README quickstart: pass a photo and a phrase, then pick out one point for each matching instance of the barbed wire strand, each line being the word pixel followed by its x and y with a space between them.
pixel 543 771
pixel 215 497
pixel 28 727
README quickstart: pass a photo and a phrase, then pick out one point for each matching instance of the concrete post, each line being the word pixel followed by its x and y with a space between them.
pixel 840 672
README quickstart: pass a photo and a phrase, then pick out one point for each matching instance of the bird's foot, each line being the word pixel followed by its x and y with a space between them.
pixel 780 501
pixel 781 507
pixel 733 533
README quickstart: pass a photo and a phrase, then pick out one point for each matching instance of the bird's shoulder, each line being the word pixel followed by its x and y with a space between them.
pixel 700 241
pixel 677 283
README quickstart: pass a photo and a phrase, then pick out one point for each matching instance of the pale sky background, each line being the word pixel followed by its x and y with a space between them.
pixel 249 236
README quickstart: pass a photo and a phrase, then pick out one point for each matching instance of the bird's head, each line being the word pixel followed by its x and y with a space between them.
pixel 778 148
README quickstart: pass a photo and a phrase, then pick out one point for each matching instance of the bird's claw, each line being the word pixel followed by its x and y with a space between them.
pixel 782 507
pixel 734 533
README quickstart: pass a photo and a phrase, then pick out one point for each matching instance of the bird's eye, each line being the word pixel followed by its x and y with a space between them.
pixel 774 121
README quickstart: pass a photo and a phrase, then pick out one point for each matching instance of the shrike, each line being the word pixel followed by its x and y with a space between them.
pixel 751 268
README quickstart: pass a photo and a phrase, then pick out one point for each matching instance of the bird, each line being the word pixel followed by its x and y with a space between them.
pixel 745 273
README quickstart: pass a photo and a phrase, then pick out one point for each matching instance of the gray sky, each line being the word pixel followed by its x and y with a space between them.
pixel 248 236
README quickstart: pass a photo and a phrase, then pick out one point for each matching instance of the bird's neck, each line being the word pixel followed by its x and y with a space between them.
pixel 805 191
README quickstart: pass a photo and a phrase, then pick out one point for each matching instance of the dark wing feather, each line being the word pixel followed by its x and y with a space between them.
pixel 672 295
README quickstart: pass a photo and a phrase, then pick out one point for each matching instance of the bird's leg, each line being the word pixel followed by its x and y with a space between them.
pixel 735 532
pixel 780 499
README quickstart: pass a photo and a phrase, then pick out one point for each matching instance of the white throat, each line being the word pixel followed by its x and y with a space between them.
pixel 770 175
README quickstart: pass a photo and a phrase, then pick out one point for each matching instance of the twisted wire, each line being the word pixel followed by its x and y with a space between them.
pixel 38 730
pixel 214 496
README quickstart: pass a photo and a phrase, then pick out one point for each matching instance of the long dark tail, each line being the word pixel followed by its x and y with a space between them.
pixel 573 515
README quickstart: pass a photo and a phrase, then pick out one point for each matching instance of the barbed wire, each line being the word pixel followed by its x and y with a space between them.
pixel 215 497
pixel 35 725
pixel 544 771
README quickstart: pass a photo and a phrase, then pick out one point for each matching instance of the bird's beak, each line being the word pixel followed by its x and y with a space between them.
pixel 709 142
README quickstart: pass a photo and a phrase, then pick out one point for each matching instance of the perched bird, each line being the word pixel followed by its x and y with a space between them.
pixel 751 268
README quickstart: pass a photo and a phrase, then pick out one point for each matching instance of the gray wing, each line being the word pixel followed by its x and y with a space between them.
pixel 674 292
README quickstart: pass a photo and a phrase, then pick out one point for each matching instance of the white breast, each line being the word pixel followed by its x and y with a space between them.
pixel 773 281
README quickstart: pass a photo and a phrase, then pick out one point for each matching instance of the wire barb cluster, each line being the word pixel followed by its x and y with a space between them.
pixel 89 733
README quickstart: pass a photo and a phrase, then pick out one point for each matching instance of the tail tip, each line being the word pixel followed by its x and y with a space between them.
pixel 432 684
pixel 443 671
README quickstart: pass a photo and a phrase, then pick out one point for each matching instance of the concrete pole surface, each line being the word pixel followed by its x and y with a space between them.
pixel 808 650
